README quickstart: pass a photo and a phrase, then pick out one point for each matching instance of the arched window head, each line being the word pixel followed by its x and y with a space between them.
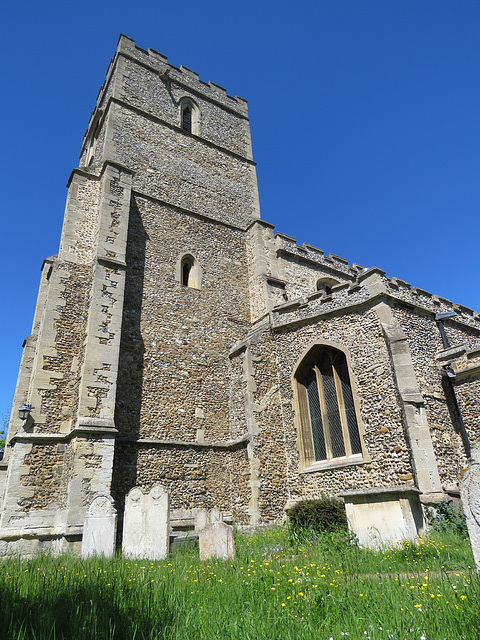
pixel 328 416
pixel 187 266
pixel 189 116
pixel 326 284
pixel 189 271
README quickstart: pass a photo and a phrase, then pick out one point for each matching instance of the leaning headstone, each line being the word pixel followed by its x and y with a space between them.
pixel 100 528
pixel 470 495
pixel 146 524
pixel 216 541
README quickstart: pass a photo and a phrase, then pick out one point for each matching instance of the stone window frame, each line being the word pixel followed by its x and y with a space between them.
pixel 325 284
pixel 94 134
pixel 194 278
pixel 305 444
pixel 187 102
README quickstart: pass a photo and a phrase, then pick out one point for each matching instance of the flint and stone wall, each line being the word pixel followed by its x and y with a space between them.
pixel 137 379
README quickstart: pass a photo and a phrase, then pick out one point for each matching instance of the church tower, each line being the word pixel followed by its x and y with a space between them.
pixel 178 341
pixel 127 366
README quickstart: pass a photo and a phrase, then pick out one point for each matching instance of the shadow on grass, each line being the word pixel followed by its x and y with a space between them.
pixel 83 613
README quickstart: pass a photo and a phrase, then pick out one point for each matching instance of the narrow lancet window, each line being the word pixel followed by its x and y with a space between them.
pixel 189 271
pixel 187 119
pixel 187 266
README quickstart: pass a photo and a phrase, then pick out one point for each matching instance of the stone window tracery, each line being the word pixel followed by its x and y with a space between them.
pixel 329 419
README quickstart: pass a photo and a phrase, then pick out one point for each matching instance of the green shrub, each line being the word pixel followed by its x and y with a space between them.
pixel 325 515
pixel 447 518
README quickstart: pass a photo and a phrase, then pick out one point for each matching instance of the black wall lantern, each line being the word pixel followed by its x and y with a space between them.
pixel 24 412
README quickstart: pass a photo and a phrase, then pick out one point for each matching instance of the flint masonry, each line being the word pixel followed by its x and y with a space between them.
pixel 178 340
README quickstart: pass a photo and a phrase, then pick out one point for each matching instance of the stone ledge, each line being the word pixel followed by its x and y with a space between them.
pixel 470 371
pixel 342 309
pixel 371 491
pixel 111 262
pixel 236 443
pixel 451 353
pixel 42 533
pixel 328 465
pixel 84 428
pixel 190 212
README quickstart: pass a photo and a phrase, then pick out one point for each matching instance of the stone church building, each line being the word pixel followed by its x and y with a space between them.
pixel 179 340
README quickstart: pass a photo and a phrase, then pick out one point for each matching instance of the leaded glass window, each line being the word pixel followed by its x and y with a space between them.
pixel 187 119
pixel 328 415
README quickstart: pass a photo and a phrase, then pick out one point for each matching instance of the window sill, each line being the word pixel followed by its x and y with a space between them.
pixel 335 463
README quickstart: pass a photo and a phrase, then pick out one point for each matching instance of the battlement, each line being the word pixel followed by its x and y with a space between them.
pixel 369 284
pixel 181 75
pixel 287 245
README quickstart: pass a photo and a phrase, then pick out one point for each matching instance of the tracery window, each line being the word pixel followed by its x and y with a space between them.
pixel 329 420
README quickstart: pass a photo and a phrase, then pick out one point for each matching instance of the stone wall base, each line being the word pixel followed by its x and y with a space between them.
pixel 31 543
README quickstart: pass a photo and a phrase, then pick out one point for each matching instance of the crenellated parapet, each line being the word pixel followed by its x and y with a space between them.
pixel 287 248
pixel 367 288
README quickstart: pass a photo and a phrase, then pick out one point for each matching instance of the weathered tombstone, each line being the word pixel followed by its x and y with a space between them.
pixel 146 524
pixel 201 519
pixel 100 528
pixel 216 515
pixel 216 541
pixel 470 495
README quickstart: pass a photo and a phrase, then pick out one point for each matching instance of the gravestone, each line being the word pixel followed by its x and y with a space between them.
pixel 215 515
pixel 100 528
pixel 216 541
pixel 146 524
pixel 201 519
pixel 470 495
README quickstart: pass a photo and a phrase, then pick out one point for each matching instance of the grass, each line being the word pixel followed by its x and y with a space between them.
pixel 318 588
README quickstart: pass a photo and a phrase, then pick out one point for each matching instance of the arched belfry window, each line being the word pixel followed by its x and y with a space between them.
pixel 187 266
pixel 329 419
pixel 189 116
pixel 326 284
pixel 189 271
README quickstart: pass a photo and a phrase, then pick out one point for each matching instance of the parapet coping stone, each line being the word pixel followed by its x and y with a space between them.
pixel 375 491
pixel 452 352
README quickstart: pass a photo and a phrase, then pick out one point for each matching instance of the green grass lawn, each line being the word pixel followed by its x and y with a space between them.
pixel 320 589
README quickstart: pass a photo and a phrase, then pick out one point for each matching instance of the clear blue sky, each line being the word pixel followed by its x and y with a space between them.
pixel 365 123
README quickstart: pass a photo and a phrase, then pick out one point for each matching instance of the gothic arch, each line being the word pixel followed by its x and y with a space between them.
pixel 327 416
